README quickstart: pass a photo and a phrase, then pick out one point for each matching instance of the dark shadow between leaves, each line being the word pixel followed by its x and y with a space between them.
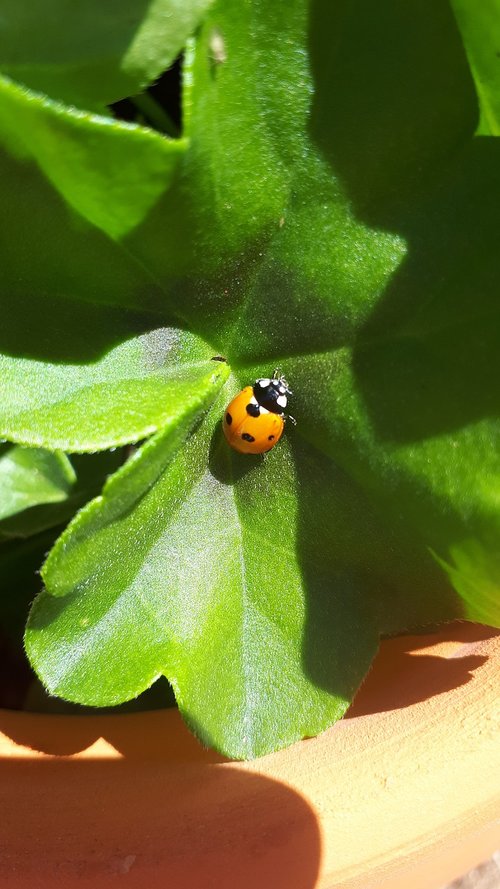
pixel 20 561
pixel 172 813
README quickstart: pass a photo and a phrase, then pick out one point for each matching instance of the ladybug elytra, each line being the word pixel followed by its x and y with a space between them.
pixel 255 419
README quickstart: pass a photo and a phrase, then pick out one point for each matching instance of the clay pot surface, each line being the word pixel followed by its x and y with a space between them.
pixel 404 793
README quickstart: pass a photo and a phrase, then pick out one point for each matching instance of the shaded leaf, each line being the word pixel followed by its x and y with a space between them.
pixel 91 54
pixel 110 172
pixel 479 24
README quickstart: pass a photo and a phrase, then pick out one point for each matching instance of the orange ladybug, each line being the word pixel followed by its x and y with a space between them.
pixel 254 421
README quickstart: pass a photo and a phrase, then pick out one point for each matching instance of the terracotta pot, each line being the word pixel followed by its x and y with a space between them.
pixel 404 792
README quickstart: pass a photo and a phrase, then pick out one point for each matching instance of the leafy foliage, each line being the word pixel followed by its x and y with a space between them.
pixel 332 207
pixel 43 489
pixel 30 477
pixel 91 54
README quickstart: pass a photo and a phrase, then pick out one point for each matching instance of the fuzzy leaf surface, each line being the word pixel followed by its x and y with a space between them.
pixel 334 213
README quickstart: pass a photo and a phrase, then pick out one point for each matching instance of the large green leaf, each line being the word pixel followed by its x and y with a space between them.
pixel 99 375
pixel 93 53
pixel 261 624
pixel 333 213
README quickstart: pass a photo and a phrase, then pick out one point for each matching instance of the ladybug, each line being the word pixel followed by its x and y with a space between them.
pixel 254 420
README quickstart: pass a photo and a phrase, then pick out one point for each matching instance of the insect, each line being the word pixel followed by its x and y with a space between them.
pixel 218 54
pixel 254 421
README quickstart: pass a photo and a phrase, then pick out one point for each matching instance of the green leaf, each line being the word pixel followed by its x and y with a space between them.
pixel 140 386
pixel 333 214
pixel 84 375
pixel 91 54
pixel 240 583
pixel 479 24
pixel 41 489
pixel 277 585
pixel 110 172
pixel 31 476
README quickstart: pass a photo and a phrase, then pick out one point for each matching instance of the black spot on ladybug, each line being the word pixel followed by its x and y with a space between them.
pixel 229 419
pixel 270 437
pixel 253 409
pixel 247 437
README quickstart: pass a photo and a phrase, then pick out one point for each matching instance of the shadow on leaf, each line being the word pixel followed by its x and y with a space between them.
pixel 427 359
pixel 394 112
pixel 227 465
pixel 344 545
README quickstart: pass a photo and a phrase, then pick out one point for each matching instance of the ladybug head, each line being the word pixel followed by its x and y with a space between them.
pixel 272 393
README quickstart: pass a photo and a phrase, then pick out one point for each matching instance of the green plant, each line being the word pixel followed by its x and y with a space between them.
pixel 330 206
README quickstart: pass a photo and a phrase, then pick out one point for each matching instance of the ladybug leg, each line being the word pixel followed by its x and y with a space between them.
pixel 293 421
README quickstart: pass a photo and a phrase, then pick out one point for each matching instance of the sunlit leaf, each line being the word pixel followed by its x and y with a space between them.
pixel 334 214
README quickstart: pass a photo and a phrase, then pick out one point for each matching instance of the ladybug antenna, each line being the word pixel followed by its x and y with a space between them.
pixel 279 376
